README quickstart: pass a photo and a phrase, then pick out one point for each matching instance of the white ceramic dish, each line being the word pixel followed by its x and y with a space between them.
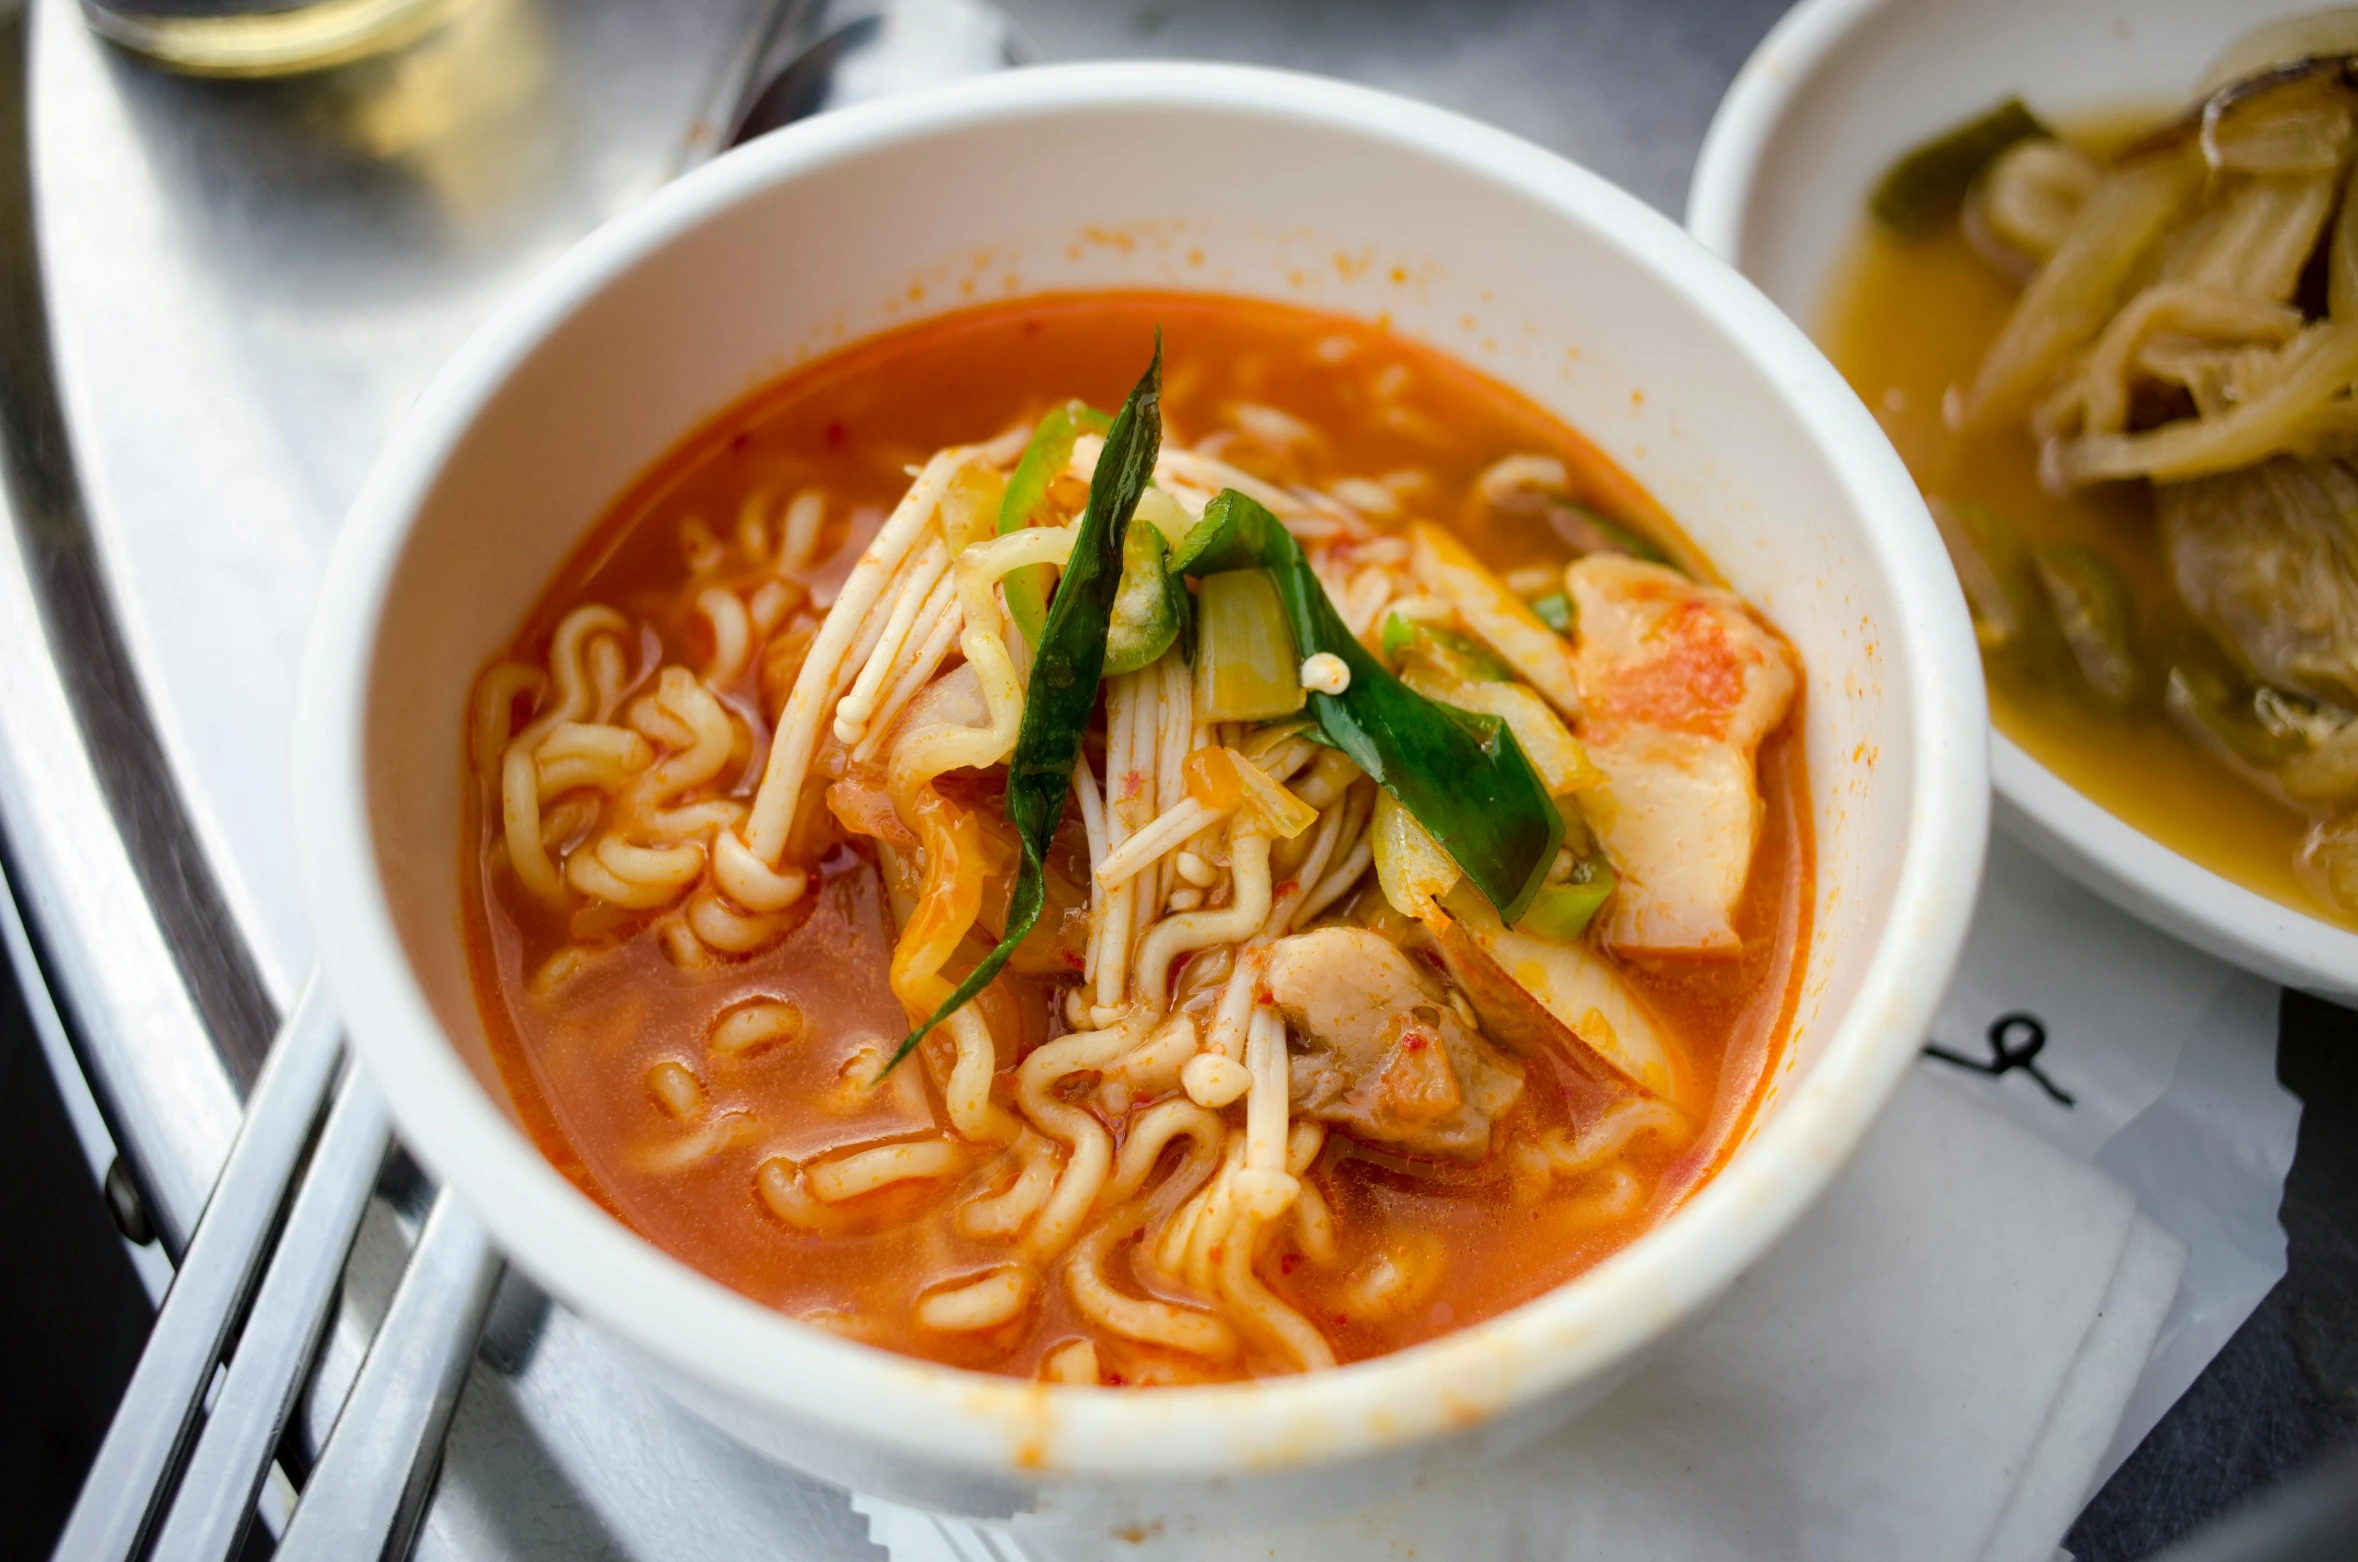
pixel 1188 177
pixel 1836 90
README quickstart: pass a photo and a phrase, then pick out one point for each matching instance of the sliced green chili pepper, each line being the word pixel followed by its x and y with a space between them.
pixel 1150 607
pixel 1462 657
pixel 1555 610
pixel 2204 703
pixel 1066 672
pixel 2211 699
pixel 1588 531
pixel 2091 605
pixel 1027 490
pixel 1462 776
pixel 1563 911
pixel 1994 568
pixel 1927 185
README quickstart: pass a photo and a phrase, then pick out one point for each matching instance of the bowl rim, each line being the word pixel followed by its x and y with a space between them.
pixel 2101 851
pixel 1005 1427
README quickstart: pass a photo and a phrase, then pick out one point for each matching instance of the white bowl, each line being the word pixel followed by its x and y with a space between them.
pixel 1221 179
pixel 1836 90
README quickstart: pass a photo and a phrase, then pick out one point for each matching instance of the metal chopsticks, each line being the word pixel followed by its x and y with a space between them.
pixel 178 1476
pixel 136 1464
pixel 368 1489
pixel 208 1516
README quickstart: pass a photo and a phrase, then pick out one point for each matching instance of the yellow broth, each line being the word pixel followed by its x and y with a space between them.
pixel 1907 323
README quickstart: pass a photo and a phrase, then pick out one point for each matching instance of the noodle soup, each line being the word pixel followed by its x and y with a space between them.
pixel 1231 886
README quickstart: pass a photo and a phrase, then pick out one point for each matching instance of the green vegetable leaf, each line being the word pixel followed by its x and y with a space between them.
pixel 1066 671
pixel 1050 449
pixel 1927 185
pixel 1462 776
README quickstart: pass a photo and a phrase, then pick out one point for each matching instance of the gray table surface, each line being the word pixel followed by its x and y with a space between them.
pixel 242 286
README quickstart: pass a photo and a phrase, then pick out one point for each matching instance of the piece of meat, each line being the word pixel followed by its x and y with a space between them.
pixel 1678 685
pixel 2267 557
pixel 1389 1060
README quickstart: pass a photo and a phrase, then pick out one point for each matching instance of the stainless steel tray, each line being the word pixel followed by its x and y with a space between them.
pixel 242 285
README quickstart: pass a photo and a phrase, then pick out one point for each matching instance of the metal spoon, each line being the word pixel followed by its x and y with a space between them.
pixel 816 55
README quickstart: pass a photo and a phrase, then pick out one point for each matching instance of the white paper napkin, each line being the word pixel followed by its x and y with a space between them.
pixel 1966 1305
pixel 2168 1058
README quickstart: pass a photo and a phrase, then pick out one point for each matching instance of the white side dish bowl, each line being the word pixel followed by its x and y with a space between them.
pixel 1835 92
pixel 1185 177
